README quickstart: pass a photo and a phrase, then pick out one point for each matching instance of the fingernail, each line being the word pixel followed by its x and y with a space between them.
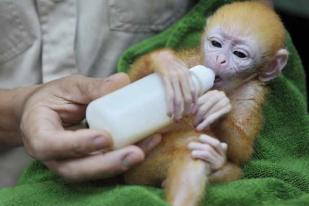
pixel 129 160
pixel 100 142
pixel 203 137
pixel 190 146
pixel 194 153
pixel 223 145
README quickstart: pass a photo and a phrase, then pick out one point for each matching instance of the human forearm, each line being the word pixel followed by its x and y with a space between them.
pixel 11 104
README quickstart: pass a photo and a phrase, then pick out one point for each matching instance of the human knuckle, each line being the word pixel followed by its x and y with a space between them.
pixel 37 149
pixel 78 148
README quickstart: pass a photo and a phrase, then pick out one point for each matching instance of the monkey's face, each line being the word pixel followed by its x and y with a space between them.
pixel 232 57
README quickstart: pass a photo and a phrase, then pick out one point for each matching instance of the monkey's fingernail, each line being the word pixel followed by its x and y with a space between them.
pixel 203 137
pixel 223 145
pixel 195 154
pixel 199 128
pixel 190 146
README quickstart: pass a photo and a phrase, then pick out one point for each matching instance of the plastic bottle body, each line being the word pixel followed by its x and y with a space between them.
pixel 138 109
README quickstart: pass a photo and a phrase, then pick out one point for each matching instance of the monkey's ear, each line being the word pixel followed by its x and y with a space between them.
pixel 274 68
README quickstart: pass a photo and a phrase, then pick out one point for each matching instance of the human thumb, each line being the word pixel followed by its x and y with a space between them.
pixel 89 89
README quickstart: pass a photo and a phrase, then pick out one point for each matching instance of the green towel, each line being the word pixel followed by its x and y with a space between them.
pixel 277 175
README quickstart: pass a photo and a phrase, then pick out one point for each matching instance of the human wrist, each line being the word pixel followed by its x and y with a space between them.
pixel 11 107
pixel 19 99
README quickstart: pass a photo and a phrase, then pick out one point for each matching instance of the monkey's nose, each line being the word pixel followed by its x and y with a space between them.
pixel 221 60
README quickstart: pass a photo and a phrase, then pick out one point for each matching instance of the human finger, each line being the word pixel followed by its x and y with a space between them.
pixel 98 166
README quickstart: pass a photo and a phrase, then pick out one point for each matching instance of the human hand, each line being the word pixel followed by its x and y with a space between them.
pixel 210 150
pixel 104 163
pixel 75 155
pixel 211 106
pixel 181 95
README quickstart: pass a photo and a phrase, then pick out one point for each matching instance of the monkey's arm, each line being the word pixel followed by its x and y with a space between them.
pixel 144 65
pixel 147 63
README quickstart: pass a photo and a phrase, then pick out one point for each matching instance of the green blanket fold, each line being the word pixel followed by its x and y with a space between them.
pixel 278 174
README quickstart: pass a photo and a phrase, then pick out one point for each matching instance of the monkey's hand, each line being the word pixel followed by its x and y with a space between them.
pixel 211 106
pixel 210 150
pixel 181 95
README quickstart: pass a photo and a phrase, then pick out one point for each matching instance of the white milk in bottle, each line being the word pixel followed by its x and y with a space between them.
pixel 139 109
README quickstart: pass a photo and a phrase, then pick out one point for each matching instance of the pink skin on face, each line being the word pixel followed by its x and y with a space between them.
pixel 230 54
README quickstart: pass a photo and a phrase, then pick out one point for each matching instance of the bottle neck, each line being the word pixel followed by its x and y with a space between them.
pixel 198 86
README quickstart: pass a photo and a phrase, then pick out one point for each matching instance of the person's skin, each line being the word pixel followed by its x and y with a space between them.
pixel 38 117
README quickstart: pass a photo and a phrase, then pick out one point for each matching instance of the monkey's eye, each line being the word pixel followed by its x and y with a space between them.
pixel 216 43
pixel 240 54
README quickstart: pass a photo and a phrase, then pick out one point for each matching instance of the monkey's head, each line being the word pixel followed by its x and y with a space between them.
pixel 243 41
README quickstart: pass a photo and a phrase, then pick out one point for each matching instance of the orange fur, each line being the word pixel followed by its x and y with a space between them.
pixel 171 160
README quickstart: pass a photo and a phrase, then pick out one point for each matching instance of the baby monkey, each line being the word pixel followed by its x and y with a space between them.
pixel 243 43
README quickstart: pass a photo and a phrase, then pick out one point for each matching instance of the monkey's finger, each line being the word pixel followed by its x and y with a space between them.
pixel 220 105
pixel 98 166
pixel 204 155
pixel 215 161
pixel 178 100
pixel 220 147
pixel 186 91
pixel 203 147
pixel 214 104
pixel 204 108
pixel 169 96
pixel 194 94
pixel 210 119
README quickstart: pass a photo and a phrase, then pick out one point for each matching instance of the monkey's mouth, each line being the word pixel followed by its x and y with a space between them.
pixel 218 81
